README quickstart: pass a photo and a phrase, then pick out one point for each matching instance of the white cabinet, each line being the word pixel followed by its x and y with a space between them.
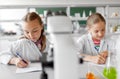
pixel 78 16
pixel 110 13
pixel 112 16
pixel 113 20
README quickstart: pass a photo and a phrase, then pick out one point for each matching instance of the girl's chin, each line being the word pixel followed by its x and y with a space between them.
pixel 33 40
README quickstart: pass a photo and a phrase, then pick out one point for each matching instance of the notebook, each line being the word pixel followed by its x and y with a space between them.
pixel 31 68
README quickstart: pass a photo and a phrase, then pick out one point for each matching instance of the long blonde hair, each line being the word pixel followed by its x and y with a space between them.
pixel 32 16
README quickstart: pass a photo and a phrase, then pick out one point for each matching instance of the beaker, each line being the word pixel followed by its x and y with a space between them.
pixel 90 74
pixel 110 71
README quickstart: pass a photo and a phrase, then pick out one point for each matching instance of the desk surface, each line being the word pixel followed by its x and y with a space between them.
pixel 9 72
pixel 95 68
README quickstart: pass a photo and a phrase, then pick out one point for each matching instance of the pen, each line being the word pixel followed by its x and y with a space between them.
pixel 18 55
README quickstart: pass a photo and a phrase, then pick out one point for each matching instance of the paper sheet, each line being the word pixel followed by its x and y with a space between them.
pixel 100 65
pixel 32 67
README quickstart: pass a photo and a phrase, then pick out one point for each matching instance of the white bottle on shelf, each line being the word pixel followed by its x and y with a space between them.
pixel 90 12
pixel 76 26
pixel 84 15
pixel 77 15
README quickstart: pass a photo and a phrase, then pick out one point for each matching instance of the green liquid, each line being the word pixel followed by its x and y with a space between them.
pixel 110 73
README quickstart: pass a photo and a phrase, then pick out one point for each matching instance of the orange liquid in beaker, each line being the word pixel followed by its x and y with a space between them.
pixel 90 75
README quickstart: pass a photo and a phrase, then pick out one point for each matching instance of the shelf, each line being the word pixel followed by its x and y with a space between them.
pixel 56 3
pixel 5 37
pixel 114 33
pixel 77 18
pixel 113 18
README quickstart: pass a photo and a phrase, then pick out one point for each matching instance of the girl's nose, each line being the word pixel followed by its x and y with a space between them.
pixel 30 35
pixel 100 34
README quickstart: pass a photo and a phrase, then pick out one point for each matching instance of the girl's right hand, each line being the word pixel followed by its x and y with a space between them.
pixel 19 62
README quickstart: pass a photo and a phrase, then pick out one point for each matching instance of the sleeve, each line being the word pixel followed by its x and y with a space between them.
pixel 5 57
pixel 80 45
pixel 7 54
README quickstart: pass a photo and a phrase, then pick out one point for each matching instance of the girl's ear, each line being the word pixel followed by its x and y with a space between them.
pixel 88 28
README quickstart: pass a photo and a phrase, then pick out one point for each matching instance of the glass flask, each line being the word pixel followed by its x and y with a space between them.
pixel 90 73
pixel 110 71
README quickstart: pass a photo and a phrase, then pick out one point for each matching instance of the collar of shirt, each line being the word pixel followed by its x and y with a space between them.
pixel 38 42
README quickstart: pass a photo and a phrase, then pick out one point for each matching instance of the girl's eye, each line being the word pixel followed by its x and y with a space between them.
pixel 35 30
pixel 96 31
pixel 103 30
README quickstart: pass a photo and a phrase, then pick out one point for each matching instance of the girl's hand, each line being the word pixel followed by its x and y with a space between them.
pixel 98 59
pixel 104 54
pixel 18 62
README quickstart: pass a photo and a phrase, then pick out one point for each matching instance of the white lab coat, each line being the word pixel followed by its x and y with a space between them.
pixel 26 48
pixel 85 45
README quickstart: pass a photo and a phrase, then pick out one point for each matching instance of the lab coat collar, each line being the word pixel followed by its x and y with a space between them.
pixel 39 41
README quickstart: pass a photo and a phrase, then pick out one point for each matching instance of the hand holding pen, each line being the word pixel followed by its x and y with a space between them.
pixel 102 57
pixel 104 54
pixel 21 62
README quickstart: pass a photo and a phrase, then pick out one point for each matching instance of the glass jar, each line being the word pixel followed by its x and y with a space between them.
pixel 90 73
pixel 110 71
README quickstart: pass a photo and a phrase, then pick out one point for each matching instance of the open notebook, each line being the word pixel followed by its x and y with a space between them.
pixel 31 68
